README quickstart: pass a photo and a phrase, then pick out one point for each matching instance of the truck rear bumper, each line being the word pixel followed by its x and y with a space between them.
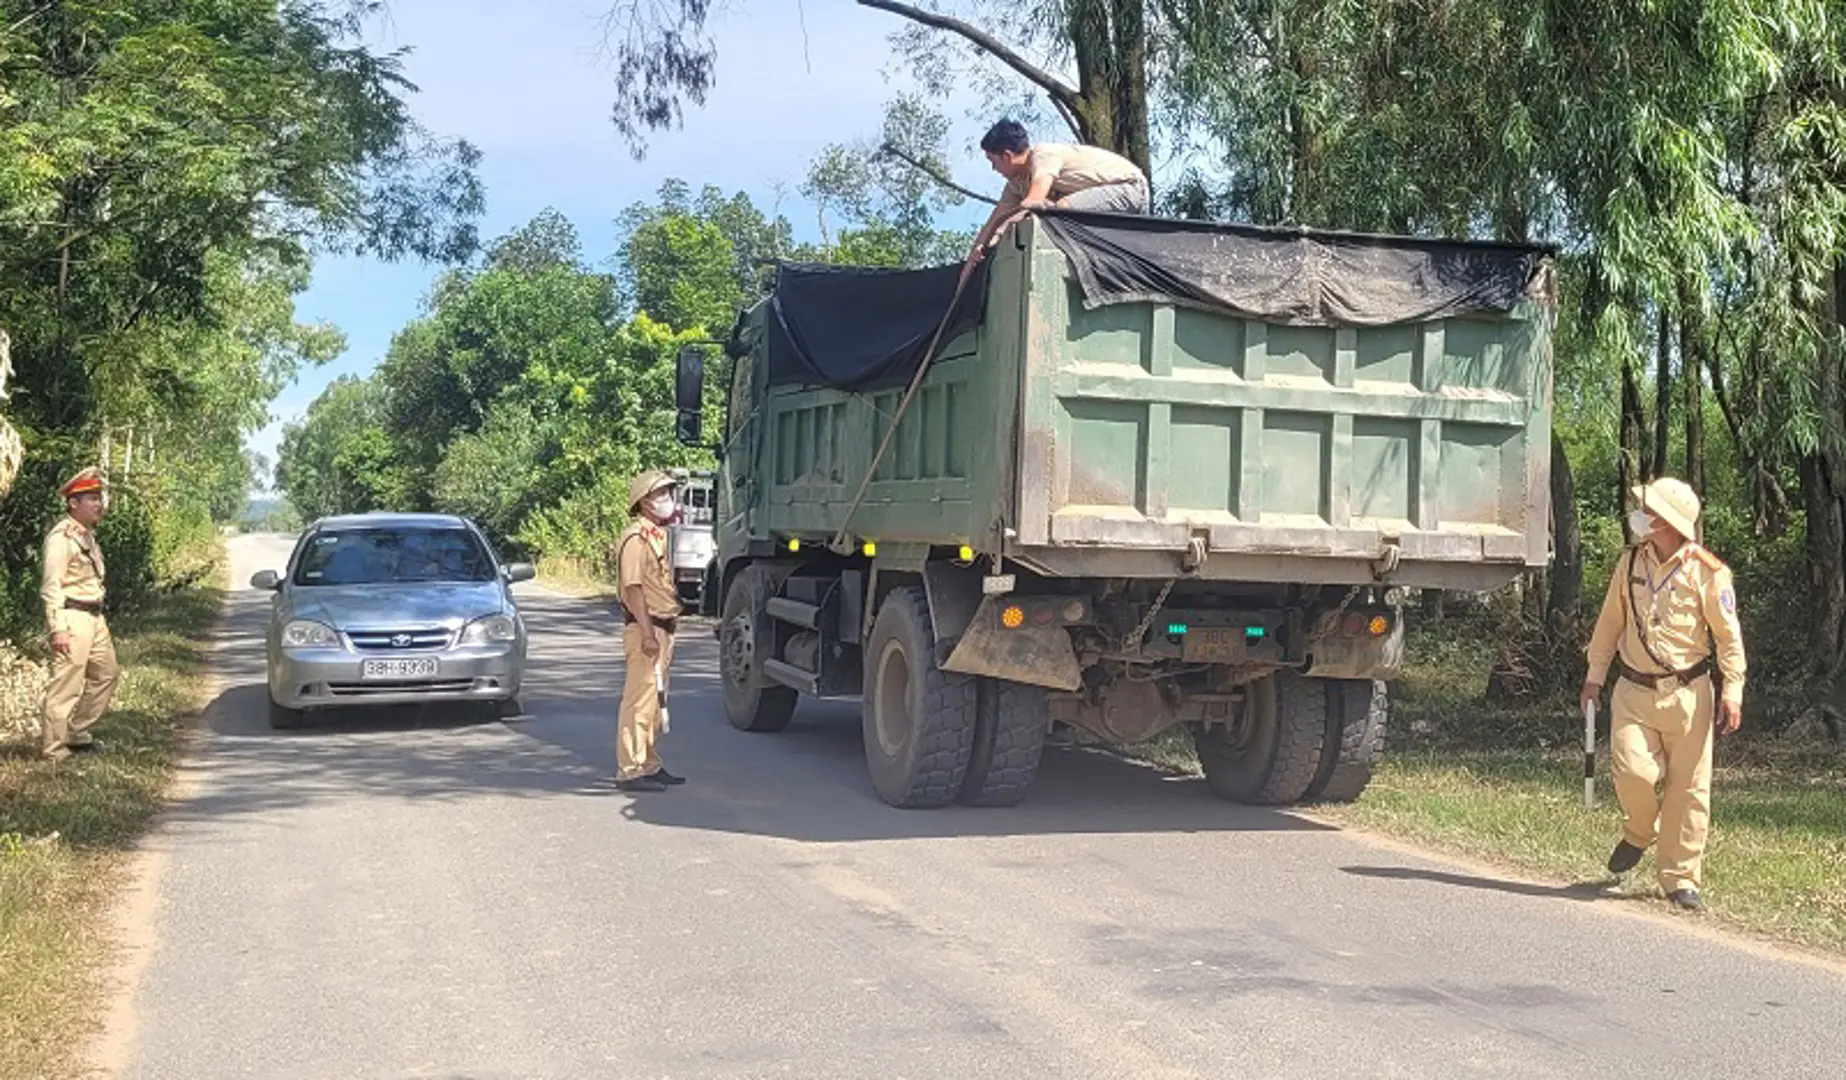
pixel 1281 568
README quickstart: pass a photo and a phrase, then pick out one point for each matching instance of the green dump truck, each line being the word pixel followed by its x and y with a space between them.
pixel 1155 473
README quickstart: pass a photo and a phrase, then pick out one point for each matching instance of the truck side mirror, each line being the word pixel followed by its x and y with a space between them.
pixel 689 394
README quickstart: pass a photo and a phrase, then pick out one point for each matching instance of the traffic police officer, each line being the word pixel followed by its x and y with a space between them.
pixel 650 607
pixel 1670 605
pixel 83 667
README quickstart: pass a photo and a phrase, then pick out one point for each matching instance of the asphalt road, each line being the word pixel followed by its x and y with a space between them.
pixel 415 896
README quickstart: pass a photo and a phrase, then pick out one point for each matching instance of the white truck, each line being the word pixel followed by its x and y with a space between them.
pixel 691 542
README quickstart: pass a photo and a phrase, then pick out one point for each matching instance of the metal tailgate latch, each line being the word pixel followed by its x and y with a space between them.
pixel 1198 549
pixel 1387 564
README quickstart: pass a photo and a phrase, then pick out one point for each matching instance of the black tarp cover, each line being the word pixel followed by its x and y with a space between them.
pixel 1289 277
pixel 857 329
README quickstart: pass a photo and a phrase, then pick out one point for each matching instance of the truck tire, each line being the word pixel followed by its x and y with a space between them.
pixel 1010 722
pixel 744 637
pixel 1357 711
pixel 1270 754
pixel 918 720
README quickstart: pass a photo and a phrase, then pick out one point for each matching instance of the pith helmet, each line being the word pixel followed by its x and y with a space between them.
pixel 646 484
pixel 1672 501
pixel 90 479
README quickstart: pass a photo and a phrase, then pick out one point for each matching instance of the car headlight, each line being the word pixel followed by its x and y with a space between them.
pixel 488 631
pixel 308 633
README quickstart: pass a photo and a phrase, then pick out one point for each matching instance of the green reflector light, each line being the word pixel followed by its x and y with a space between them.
pixel 1254 632
pixel 1176 628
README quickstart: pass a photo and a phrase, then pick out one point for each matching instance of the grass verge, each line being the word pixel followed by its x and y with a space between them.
pixel 1775 864
pixel 574 577
pixel 65 834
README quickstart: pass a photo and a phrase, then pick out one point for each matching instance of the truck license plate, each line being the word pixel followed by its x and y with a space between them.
pixel 1214 645
pixel 419 668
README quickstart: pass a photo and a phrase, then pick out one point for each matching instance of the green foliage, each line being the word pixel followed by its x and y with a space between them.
pixel 166 169
pixel 533 388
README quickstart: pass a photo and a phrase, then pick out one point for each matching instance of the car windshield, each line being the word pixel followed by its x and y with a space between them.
pixel 387 555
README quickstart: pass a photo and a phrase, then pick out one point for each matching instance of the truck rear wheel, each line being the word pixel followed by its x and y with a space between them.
pixel 1270 753
pixel 744 636
pixel 918 720
pixel 1009 739
pixel 1356 714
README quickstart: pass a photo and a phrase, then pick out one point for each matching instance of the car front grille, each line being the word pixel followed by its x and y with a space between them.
pixel 399 640
pixel 370 689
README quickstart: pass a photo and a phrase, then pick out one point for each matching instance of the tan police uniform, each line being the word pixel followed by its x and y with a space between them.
pixel 1661 622
pixel 642 559
pixel 71 586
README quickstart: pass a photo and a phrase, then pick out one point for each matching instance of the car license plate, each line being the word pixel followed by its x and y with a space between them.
pixel 418 668
pixel 1214 645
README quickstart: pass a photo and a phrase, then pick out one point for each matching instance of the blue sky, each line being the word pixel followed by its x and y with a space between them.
pixel 525 84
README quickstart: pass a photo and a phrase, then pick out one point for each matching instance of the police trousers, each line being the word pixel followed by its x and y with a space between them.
pixel 638 728
pixel 1663 740
pixel 82 682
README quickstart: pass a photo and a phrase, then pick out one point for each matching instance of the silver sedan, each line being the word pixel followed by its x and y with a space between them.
pixel 393 609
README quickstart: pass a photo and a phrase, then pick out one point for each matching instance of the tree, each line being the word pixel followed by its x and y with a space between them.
pixel 167 169
pixel 664 58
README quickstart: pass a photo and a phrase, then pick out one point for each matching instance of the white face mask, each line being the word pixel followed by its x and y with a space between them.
pixel 1640 524
pixel 661 506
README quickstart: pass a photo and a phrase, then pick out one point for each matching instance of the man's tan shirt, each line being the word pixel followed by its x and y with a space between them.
pixel 1672 602
pixel 1072 167
pixel 642 560
pixel 73 570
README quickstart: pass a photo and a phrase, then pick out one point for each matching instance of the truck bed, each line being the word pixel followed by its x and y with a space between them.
pixel 1106 441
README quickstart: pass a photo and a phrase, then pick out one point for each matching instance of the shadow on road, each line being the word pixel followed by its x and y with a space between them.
pixel 806 783
pixel 1581 890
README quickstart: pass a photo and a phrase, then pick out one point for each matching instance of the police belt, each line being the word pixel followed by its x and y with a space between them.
pixel 1663 683
pixel 88 607
pixel 668 623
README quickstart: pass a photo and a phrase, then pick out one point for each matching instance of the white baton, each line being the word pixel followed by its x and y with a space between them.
pixel 660 696
pixel 1589 754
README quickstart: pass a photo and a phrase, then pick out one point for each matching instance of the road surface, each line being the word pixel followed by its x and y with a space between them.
pixel 429 898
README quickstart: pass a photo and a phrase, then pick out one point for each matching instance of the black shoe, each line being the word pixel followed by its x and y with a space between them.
pixel 667 778
pixel 1625 857
pixel 88 746
pixel 641 783
pixel 1687 899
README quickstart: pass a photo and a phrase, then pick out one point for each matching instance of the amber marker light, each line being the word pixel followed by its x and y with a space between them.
pixel 1379 625
pixel 1013 617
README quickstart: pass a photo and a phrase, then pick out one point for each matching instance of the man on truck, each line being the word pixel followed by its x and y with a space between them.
pixel 1067 175
pixel 1669 602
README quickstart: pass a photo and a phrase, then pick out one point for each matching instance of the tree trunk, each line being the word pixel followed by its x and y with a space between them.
pixel 1565 596
pixel 1633 438
pixel 1108 106
pixel 1130 89
pixel 1826 570
pixel 1663 393
pixel 1821 493
pixel 1691 365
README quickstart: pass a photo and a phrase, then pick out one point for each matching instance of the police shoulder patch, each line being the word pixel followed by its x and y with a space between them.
pixel 1728 600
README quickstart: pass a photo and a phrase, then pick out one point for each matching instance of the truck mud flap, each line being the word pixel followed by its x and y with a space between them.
pixel 1037 656
pixel 1336 657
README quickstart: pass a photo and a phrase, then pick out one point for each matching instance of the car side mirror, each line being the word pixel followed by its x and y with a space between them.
pixel 519 571
pixel 689 394
pixel 267 580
